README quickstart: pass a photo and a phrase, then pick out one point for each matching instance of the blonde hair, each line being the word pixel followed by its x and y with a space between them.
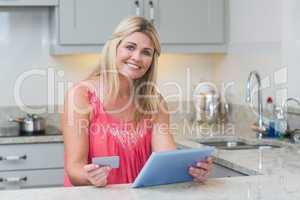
pixel 145 86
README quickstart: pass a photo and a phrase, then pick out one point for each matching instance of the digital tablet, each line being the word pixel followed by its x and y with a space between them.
pixel 170 167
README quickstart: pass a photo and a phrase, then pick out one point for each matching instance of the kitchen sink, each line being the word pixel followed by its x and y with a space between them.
pixel 218 170
pixel 237 145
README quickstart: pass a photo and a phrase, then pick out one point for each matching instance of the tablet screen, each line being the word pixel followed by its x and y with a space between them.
pixel 170 166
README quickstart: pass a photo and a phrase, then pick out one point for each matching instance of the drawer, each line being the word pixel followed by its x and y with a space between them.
pixel 31 156
pixel 31 178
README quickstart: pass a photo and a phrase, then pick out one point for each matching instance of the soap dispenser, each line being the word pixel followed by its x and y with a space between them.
pixel 280 123
pixel 270 107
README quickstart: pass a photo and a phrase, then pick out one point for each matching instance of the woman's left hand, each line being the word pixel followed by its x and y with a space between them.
pixel 201 171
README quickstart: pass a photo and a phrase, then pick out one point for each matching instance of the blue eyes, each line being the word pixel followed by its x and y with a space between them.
pixel 132 48
pixel 147 53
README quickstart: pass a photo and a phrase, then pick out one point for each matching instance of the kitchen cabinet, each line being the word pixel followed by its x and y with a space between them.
pixel 28 3
pixel 184 25
pixel 82 22
pixel 188 21
pixel 31 165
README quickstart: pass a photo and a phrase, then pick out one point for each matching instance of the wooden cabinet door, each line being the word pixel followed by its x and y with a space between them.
pixel 91 22
pixel 188 21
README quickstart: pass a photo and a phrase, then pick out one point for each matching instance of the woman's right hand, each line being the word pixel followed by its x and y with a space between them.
pixel 96 175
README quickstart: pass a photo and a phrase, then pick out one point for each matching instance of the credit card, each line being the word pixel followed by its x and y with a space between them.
pixel 112 161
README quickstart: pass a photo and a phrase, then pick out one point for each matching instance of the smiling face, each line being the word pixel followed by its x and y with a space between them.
pixel 134 55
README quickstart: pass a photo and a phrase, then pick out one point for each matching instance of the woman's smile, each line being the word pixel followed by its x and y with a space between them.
pixel 135 55
pixel 133 66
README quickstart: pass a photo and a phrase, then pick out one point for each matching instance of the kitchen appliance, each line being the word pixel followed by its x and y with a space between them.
pixel 207 103
pixel 32 124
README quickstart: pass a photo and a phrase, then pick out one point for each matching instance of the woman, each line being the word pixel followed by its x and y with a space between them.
pixel 118 111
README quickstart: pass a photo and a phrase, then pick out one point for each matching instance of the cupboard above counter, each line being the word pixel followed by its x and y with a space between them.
pixel 185 26
pixel 5 3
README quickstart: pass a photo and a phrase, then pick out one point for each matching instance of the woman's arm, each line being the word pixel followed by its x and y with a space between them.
pixel 162 139
pixel 75 122
pixel 75 125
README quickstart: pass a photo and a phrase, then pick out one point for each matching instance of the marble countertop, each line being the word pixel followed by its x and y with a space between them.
pixel 32 139
pixel 246 188
pixel 273 174
pixel 53 134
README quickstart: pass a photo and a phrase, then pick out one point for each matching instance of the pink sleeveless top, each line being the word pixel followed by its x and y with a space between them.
pixel 109 136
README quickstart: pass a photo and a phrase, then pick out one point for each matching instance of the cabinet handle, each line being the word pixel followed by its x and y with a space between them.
pixel 137 8
pixel 13 158
pixel 151 11
pixel 13 179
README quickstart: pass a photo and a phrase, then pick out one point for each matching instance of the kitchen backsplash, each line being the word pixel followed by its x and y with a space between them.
pixel 239 119
pixel 10 128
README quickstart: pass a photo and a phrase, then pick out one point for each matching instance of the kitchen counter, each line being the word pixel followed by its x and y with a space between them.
pixel 252 187
pixel 279 179
pixel 274 174
pixel 50 138
pixel 253 161
pixel 53 134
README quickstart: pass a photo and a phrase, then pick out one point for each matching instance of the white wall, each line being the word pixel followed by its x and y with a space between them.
pixel 291 45
pixel 24 46
pixel 255 36
pixel 264 35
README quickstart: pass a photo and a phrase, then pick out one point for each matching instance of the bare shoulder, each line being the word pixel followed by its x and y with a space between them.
pixel 78 93
pixel 77 99
pixel 162 139
pixel 95 84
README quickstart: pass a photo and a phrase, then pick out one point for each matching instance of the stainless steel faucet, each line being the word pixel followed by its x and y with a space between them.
pixel 261 128
pixel 284 104
pixel 284 108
